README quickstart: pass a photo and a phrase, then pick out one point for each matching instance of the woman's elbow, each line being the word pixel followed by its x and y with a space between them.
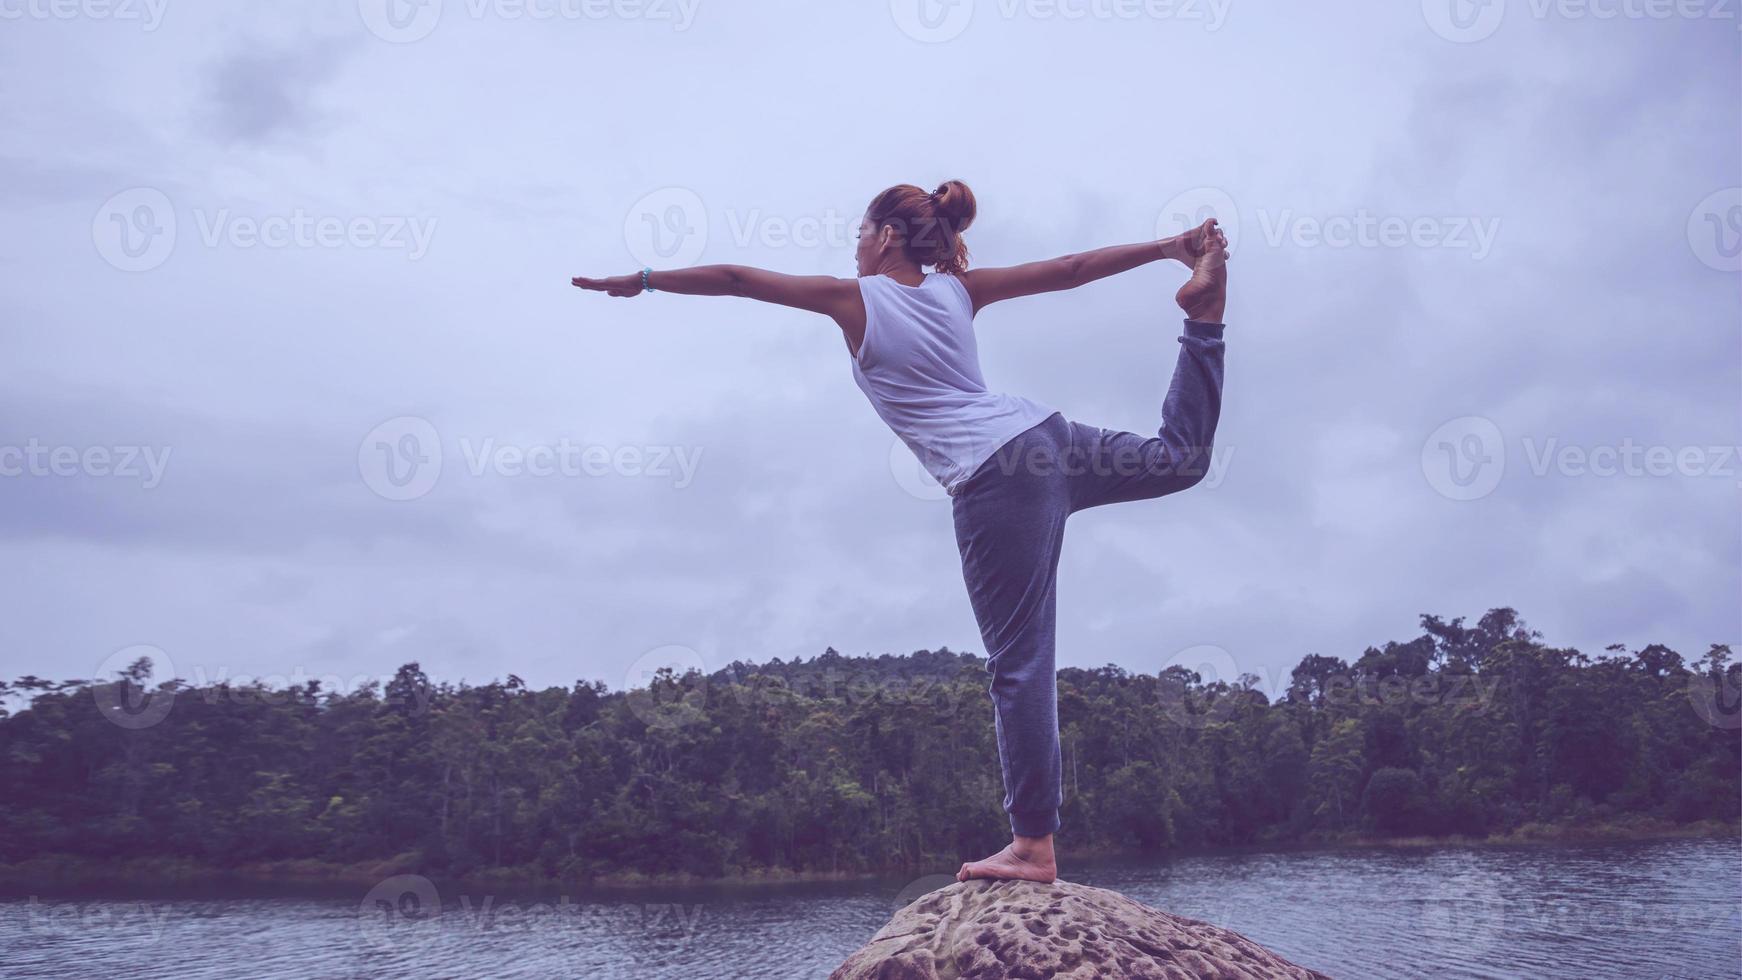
pixel 733 281
pixel 1075 272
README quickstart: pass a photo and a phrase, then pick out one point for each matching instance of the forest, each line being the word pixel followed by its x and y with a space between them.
pixel 862 764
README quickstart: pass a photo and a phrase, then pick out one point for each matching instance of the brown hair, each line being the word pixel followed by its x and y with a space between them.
pixel 929 226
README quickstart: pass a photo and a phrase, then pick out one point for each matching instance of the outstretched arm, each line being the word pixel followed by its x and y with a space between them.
pixel 988 286
pixel 827 295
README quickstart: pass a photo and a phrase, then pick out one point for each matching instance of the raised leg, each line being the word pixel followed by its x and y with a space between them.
pixel 1108 466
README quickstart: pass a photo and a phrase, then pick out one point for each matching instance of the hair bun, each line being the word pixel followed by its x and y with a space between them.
pixel 955 204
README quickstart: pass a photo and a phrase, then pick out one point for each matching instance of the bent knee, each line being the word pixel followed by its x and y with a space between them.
pixel 1185 467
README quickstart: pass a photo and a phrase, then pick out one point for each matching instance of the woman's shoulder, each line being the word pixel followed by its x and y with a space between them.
pixel 954 284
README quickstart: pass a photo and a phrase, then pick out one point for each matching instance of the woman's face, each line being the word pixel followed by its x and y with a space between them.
pixel 871 247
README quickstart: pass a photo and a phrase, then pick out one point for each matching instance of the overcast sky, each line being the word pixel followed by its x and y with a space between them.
pixel 292 382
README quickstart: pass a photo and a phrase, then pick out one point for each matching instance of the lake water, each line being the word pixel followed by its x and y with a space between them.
pixel 1643 909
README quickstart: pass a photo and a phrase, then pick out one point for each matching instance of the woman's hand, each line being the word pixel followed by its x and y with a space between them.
pixel 1191 246
pixel 614 285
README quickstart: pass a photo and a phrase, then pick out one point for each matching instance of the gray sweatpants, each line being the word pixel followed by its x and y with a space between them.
pixel 1010 523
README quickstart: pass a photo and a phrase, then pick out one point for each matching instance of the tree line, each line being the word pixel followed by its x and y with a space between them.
pixel 846 764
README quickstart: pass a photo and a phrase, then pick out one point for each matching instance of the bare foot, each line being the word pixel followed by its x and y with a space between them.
pixel 1024 859
pixel 1205 295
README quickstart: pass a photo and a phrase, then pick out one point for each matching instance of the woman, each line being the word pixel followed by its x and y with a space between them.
pixel 1015 469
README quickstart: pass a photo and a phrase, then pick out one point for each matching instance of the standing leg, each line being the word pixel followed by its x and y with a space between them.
pixel 1010 523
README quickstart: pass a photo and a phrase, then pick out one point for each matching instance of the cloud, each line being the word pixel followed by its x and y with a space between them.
pixel 264 95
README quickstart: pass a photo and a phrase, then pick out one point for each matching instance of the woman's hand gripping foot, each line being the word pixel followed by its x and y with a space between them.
pixel 1205 296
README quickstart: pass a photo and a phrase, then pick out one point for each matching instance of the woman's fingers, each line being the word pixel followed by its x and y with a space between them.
pixel 598 285
pixel 1213 236
pixel 1203 236
pixel 612 285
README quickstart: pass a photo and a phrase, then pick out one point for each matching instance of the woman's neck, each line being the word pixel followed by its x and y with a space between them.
pixel 905 273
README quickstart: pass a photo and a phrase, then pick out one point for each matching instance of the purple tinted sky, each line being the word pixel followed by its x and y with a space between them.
pixel 1525 226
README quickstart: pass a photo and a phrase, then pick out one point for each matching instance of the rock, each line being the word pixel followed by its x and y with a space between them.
pixel 992 930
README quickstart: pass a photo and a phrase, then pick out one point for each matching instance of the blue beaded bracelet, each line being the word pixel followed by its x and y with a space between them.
pixel 644 284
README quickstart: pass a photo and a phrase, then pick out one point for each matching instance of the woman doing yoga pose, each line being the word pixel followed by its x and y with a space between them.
pixel 1014 468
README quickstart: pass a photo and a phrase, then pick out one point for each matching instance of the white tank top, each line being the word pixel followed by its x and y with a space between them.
pixel 920 367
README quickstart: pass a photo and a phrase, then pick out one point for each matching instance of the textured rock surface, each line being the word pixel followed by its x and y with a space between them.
pixel 990 930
